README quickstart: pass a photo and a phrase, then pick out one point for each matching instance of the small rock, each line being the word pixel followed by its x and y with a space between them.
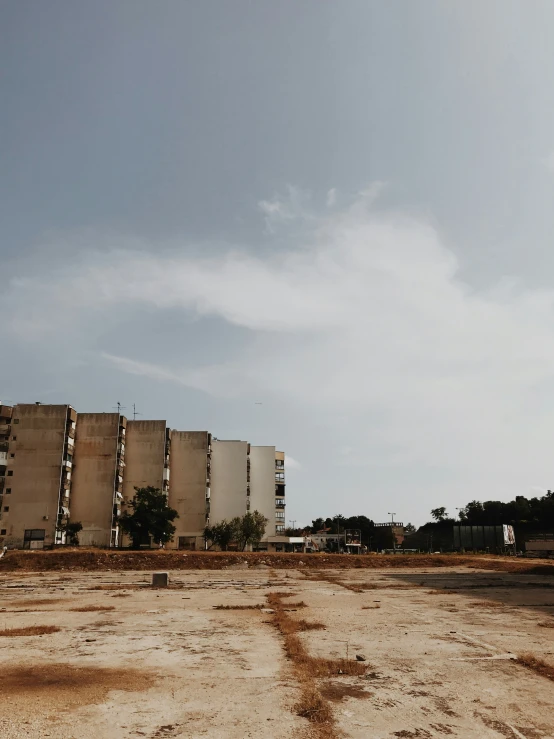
pixel 361 658
pixel 90 639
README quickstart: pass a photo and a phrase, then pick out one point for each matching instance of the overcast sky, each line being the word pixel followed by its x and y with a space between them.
pixel 321 225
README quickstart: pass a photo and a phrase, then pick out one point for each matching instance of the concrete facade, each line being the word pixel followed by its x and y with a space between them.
pixel 189 491
pixel 147 451
pixel 37 487
pixel 262 485
pixel 97 487
pixel 229 480
pixel 5 431
pixel 280 482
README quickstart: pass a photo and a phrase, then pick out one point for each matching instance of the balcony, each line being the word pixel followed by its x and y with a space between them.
pixel 166 474
pixel 280 504
pixel 279 477
pixel 5 429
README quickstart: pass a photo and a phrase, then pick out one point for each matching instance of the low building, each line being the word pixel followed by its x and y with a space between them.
pixel 37 489
pixel 189 492
pixel 287 544
pixel 97 488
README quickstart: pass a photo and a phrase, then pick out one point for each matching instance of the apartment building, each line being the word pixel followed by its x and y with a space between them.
pixel 266 471
pixel 189 492
pixel 55 463
pixel 5 430
pixel 147 454
pixel 230 479
pixel 37 486
pixel 97 486
pixel 280 492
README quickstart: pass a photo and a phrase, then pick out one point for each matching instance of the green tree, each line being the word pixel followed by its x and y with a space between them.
pixel 250 529
pixel 71 530
pixel 221 534
pixel 409 528
pixel 439 514
pixel 151 517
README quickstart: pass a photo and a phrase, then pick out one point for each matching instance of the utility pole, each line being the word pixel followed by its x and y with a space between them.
pixel 293 522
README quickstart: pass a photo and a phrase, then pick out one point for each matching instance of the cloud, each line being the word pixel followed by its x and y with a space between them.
pixel 549 161
pixel 331 197
pixel 291 463
pixel 362 325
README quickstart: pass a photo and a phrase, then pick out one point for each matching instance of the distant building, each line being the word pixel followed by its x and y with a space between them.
pixel 37 488
pixel 189 491
pixel 397 530
pixel 230 480
pixel 57 466
pixel 97 488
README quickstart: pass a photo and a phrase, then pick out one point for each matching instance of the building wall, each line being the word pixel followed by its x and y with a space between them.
pixel 97 477
pixel 38 474
pixel 280 523
pixel 228 495
pixel 262 484
pixel 190 475
pixel 145 454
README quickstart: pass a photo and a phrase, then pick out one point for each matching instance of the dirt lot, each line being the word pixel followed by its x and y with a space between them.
pixel 441 648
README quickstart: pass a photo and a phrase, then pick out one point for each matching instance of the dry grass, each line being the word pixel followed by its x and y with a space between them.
pixel 537 665
pixel 546 624
pixel 34 602
pixel 486 604
pixel 89 609
pixel 313 707
pixel 255 607
pixel 304 625
pixel 30 631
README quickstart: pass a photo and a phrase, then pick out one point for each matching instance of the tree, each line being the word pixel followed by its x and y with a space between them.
pixel 409 528
pixel 250 529
pixel 221 534
pixel 71 530
pixel 151 517
pixel 439 514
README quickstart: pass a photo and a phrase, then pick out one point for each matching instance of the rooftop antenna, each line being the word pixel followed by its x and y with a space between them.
pixel 135 412
pixel 119 407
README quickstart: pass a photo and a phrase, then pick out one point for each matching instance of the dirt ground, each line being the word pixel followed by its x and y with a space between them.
pixel 440 647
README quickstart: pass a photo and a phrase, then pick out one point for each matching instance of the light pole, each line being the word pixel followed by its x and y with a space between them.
pixel 392 515
pixel 293 522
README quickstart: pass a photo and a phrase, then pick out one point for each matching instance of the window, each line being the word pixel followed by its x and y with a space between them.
pixel 10 473
pixel 6 508
pixel 12 455
pixel 34 538
pixel 279 529
pixel 8 491
pixel 14 438
pixel 2 532
pixel 16 420
pixel 279 476
pixel 280 515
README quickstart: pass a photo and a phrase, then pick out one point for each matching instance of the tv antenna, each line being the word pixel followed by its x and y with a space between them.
pixel 135 412
pixel 119 407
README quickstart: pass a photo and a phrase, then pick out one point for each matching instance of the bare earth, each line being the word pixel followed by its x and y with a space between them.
pixel 440 647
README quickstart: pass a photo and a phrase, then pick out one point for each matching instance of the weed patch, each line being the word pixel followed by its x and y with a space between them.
pixel 537 665
pixel 90 609
pixel 30 631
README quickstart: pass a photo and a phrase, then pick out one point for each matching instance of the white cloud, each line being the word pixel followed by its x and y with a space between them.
pixel 549 161
pixel 292 463
pixel 363 325
pixel 332 197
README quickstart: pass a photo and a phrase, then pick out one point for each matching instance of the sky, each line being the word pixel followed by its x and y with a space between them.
pixel 324 226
